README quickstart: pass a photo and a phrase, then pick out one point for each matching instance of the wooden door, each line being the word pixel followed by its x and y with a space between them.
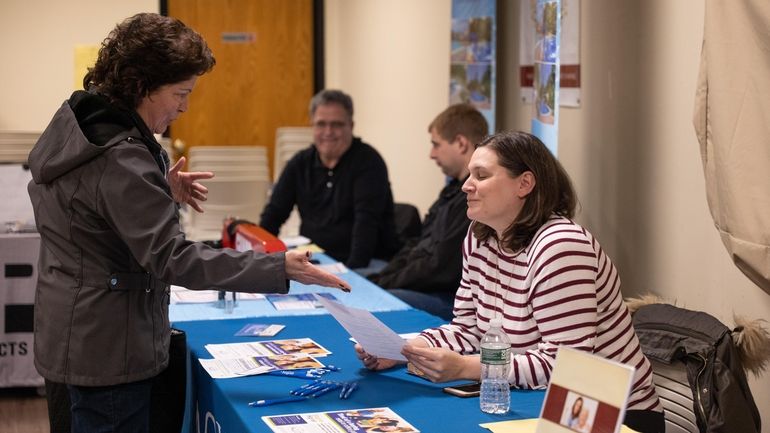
pixel 263 78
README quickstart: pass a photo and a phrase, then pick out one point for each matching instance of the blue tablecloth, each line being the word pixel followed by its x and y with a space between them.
pixel 223 402
pixel 364 295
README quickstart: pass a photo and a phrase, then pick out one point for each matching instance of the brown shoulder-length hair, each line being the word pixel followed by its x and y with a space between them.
pixel 143 53
pixel 519 152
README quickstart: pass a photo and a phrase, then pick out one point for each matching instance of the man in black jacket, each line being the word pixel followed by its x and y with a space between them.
pixel 425 273
pixel 340 185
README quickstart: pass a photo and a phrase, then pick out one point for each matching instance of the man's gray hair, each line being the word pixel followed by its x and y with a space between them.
pixel 331 96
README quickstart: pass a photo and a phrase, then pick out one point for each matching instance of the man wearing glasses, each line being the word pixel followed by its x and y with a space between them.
pixel 340 185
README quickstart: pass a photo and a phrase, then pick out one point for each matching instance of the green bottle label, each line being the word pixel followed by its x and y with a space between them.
pixel 495 356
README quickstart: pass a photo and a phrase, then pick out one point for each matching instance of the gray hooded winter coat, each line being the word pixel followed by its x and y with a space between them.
pixel 110 244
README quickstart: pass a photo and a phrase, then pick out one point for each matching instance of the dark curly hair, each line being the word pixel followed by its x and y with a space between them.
pixel 142 54
pixel 519 152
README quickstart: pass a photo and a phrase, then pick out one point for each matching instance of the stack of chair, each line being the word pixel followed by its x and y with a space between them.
pixel 16 145
pixel 288 141
pixel 239 188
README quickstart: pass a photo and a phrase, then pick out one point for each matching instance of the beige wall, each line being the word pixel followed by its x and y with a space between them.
pixel 391 57
pixel 37 43
pixel 630 148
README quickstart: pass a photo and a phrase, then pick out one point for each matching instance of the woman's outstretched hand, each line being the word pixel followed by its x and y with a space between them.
pixel 299 268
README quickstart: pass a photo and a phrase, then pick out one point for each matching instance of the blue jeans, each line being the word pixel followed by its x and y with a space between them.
pixel 116 408
pixel 438 304
pixel 374 266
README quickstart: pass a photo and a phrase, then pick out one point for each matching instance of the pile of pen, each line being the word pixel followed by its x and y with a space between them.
pixel 314 389
pixel 312 373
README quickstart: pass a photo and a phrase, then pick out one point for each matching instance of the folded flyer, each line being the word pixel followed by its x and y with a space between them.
pixel 299 346
pixel 229 368
pixel 348 421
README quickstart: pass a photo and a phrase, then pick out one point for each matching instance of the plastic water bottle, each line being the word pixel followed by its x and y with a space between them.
pixel 495 366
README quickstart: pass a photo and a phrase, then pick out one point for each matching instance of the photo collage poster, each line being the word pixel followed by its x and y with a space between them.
pixel 473 57
pixel 569 52
pixel 545 110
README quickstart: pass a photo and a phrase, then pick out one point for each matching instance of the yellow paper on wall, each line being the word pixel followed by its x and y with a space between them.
pixel 85 57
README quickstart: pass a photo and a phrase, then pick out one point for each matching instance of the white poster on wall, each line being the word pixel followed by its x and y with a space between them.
pixel 569 83
pixel 546 77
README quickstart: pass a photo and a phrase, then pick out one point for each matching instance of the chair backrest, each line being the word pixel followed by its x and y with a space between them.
pixel 407 220
pixel 676 396
pixel 239 188
pixel 288 141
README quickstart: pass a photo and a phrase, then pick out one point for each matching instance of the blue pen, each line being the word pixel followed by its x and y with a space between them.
pixel 323 391
pixel 304 387
pixel 268 402
pixel 313 388
pixel 345 387
pixel 350 390
pixel 301 374
pixel 332 368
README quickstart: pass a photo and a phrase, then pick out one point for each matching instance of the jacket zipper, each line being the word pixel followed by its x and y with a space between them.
pixel 698 388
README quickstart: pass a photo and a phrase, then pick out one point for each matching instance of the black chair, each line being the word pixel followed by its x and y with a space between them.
pixel 407 220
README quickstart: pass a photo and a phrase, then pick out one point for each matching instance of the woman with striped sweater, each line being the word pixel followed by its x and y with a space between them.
pixel 547 278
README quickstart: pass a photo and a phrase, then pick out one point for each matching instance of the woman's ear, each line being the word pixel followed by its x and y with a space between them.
pixel 527 183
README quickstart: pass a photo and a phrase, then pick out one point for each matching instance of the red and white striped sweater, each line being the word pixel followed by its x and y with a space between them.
pixel 561 290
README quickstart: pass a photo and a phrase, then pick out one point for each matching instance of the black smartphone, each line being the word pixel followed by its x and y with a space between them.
pixel 465 390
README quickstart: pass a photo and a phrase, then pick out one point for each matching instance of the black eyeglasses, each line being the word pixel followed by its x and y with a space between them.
pixel 335 125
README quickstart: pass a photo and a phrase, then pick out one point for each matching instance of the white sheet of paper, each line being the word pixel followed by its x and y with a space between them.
pixel 374 336
pixel 228 368
pixel 406 336
pixel 181 295
pixel 294 241
pixel 334 268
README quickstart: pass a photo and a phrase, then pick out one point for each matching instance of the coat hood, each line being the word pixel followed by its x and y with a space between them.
pixel 83 128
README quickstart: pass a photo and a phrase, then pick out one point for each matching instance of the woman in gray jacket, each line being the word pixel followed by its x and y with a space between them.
pixel 106 206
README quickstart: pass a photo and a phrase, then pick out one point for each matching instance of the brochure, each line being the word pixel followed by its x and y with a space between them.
pixel 181 295
pixel 302 301
pixel 586 393
pixel 259 330
pixel 300 346
pixel 228 368
pixel 348 421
